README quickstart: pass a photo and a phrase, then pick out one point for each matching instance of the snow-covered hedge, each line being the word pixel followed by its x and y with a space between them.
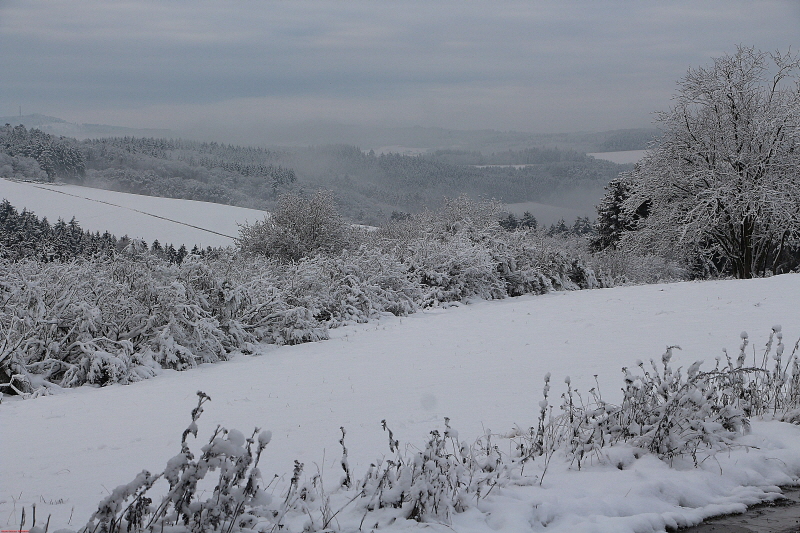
pixel 123 318
pixel 104 321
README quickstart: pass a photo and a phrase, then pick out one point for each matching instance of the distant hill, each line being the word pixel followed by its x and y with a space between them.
pixel 416 139
pixel 30 121
pixel 60 127
pixel 405 140
pixel 370 188
pixel 371 185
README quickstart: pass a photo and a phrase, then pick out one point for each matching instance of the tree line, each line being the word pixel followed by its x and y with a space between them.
pixel 55 156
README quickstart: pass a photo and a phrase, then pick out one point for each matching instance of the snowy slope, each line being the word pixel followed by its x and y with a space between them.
pixel 482 365
pixel 145 217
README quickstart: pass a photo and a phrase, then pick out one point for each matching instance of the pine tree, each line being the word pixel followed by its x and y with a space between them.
pixel 613 219
pixel 181 254
pixel 509 222
pixel 528 221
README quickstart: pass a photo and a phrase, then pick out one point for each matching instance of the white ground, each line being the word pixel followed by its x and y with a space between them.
pixel 481 364
pixel 175 221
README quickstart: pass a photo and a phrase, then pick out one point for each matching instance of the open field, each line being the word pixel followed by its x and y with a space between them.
pixel 142 217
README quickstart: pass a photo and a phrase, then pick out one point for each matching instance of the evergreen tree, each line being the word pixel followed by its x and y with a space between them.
pixel 509 222
pixel 613 219
pixel 171 254
pixel 582 226
pixel 528 221
pixel 181 254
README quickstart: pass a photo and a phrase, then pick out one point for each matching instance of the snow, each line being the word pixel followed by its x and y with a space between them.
pixel 482 365
pixel 143 217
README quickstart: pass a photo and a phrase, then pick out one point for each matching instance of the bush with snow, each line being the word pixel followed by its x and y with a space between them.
pixel 299 227
pixel 123 317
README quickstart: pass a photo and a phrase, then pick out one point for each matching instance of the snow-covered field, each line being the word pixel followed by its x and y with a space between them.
pixel 482 365
pixel 142 217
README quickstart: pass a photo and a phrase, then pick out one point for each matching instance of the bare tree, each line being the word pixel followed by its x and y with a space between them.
pixel 724 180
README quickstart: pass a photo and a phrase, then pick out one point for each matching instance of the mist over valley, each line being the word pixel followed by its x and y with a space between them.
pixel 371 181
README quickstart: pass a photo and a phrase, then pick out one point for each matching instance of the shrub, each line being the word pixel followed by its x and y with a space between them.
pixel 300 227
pixel 620 266
pixel 230 506
pixel 123 317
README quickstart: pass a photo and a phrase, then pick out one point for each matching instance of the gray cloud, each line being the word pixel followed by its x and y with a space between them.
pixel 534 66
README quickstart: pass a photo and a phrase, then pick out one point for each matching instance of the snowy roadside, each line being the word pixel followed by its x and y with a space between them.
pixel 482 365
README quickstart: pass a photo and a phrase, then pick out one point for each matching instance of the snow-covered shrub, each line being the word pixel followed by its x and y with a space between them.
pixel 236 503
pixel 58 329
pixel 475 217
pixel 120 318
pixel 768 387
pixel 268 301
pixel 669 413
pixel 448 252
pixel 104 321
pixel 427 485
pixel 462 251
pixel 622 266
pixel 299 227
pixel 288 303
pixel 534 262
pixel 359 285
pixel 434 482
pixel 453 268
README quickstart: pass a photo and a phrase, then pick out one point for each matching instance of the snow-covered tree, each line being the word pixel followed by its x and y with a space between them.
pixel 723 183
pixel 614 218
pixel 57 157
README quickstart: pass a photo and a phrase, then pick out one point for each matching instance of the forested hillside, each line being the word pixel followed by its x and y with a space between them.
pixel 369 187
pixel 408 183
pixel 38 155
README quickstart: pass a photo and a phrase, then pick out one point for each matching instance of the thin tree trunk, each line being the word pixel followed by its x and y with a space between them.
pixel 780 253
pixel 746 248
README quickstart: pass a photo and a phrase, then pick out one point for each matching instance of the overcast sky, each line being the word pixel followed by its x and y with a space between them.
pixel 527 66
